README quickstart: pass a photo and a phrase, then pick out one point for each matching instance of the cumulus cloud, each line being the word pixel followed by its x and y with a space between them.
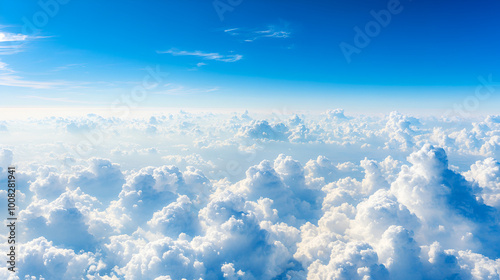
pixel 176 218
pixel 352 260
pixel 400 130
pixel 40 258
pixel 249 196
pixel 6 157
pixel 486 174
pixel 264 130
pixel 336 115
pixel 284 183
pixel 60 220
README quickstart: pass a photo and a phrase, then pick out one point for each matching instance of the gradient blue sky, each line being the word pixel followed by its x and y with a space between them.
pixel 262 53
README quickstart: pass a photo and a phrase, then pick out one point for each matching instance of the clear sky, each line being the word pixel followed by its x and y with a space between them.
pixel 360 55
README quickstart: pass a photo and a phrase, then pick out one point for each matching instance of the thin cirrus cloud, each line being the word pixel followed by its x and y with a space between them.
pixel 7 48
pixel 4 67
pixel 12 43
pixel 174 89
pixel 56 99
pixel 248 35
pixel 204 55
pixel 11 37
pixel 8 79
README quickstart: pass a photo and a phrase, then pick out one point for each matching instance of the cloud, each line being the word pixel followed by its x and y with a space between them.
pixel 445 199
pixel 40 257
pixel 6 157
pixel 188 160
pixel 173 89
pixel 217 195
pixel 400 129
pixel 60 220
pixel 9 78
pixel 52 99
pixel 257 250
pixel 204 55
pixel 102 179
pixel 486 174
pixel 284 183
pixel 376 214
pixel 4 67
pixel 336 115
pixel 150 189
pixel 401 254
pixel 281 31
pixel 12 43
pixel 10 37
pixel 264 130
pixel 69 66
pixel 374 179
pixel 164 257
pixel 352 260
pixel 10 49
pixel 493 119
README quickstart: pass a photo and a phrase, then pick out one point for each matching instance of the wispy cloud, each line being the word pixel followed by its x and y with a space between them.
pixel 175 89
pixel 204 55
pixel 69 66
pixel 58 99
pixel 11 49
pixel 11 37
pixel 8 79
pixel 272 31
pixel 4 67
pixel 12 43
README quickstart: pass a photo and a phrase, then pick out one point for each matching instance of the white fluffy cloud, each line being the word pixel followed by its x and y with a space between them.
pixel 486 174
pixel 249 196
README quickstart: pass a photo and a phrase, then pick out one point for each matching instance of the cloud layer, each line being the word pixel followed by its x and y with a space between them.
pixel 245 196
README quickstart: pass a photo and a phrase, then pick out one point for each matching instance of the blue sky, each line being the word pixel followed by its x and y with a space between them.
pixel 428 55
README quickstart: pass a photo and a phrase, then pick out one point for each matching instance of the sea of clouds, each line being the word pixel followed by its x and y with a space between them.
pixel 249 196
